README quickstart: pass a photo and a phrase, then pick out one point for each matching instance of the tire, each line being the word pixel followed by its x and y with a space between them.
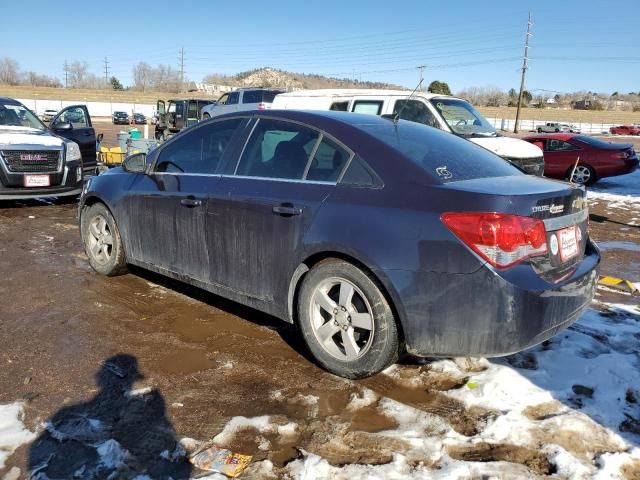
pixel 557 130
pixel 102 242
pixel 584 175
pixel 347 350
pixel 206 116
pixel 539 130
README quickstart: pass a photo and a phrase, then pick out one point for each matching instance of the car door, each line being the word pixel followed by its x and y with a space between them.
pixel 165 211
pixel 559 157
pixel 266 203
pixel 232 104
pixel 81 132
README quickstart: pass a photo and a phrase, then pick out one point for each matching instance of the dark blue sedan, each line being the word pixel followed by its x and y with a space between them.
pixel 371 235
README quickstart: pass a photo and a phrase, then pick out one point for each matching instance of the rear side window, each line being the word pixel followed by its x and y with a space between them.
pixel 339 106
pixel 277 149
pixel 443 156
pixel 328 162
pixel 252 96
pixel 373 107
pixel 360 174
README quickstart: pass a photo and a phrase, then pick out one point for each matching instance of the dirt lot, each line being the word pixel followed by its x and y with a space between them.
pixel 206 359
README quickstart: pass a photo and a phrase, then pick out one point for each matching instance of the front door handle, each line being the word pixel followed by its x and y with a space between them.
pixel 190 202
pixel 286 210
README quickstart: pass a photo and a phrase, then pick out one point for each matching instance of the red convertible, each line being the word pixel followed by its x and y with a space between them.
pixel 598 159
pixel 625 130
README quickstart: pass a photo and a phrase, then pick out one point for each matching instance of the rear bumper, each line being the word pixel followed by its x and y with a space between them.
pixel 486 313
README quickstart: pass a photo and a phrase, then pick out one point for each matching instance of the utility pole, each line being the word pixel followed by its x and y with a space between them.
pixel 181 60
pixel 66 74
pixel 524 71
pixel 421 68
pixel 106 71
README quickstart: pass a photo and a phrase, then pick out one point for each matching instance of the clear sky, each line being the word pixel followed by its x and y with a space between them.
pixel 586 45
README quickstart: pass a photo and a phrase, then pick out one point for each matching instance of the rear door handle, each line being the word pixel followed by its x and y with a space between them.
pixel 286 210
pixel 190 202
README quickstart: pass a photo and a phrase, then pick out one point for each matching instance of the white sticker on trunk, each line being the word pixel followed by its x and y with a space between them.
pixel 568 243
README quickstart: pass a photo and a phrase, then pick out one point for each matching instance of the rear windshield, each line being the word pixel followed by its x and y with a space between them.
pixel 442 155
pixel 595 142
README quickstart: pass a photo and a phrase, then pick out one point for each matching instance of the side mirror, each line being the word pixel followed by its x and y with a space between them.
pixel 136 163
pixel 63 126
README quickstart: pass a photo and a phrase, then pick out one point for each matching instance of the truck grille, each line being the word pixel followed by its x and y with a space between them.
pixel 32 161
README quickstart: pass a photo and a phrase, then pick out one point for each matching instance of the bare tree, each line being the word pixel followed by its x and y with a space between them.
pixel 142 76
pixel 9 71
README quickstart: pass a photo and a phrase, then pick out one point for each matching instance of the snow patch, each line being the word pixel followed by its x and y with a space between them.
pixel 12 431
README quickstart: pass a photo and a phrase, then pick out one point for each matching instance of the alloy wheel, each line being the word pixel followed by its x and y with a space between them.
pixel 100 240
pixel 341 319
pixel 581 175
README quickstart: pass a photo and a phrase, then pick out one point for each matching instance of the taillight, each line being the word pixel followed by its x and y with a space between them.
pixel 261 106
pixel 501 239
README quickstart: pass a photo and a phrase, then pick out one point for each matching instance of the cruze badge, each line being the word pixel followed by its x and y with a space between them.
pixel 553 208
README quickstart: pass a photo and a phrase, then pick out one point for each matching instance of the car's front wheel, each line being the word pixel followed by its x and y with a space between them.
pixel 206 116
pixel 539 130
pixel 346 321
pixel 102 241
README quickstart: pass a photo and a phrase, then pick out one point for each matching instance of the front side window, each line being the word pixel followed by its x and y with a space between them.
pixel 277 149
pixel 171 108
pixel 75 116
pixel 198 151
pixel 555 145
pixel 19 116
pixel 372 107
pixel 223 99
pixel 462 118
pixel 415 111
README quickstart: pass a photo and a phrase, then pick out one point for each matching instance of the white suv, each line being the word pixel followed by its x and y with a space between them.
pixel 241 100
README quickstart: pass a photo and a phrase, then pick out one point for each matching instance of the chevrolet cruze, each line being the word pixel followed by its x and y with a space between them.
pixel 373 236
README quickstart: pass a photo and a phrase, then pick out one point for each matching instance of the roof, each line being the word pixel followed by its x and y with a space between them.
pixel 559 136
pixel 358 92
pixel 347 118
pixel 9 101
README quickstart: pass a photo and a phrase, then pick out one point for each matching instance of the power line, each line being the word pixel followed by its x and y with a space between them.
pixel 524 71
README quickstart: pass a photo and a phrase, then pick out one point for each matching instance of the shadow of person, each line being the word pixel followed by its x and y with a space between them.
pixel 120 433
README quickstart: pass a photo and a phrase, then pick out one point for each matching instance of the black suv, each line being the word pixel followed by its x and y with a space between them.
pixel 121 118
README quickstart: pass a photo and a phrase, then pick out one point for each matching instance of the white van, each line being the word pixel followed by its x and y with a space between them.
pixel 441 111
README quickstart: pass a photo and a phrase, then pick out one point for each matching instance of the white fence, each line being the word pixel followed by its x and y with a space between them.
pixel 96 109
pixel 532 125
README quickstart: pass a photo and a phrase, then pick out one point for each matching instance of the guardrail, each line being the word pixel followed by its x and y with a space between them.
pixel 508 124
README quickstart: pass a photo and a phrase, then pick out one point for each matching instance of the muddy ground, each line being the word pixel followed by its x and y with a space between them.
pixel 206 359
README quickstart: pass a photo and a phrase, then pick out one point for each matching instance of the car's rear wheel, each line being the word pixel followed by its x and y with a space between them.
pixel 346 321
pixel 539 130
pixel 206 116
pixel 582 175
pixel 102 242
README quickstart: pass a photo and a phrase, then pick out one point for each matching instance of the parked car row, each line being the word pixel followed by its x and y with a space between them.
pixel 122 118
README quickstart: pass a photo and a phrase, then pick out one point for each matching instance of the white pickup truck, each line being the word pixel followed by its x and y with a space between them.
pixel 555 127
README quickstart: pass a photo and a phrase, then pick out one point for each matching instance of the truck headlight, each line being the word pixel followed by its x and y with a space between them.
pixel 73 152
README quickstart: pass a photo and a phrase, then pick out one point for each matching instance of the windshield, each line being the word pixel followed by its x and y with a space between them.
pixel 19 116
pixel 462 118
